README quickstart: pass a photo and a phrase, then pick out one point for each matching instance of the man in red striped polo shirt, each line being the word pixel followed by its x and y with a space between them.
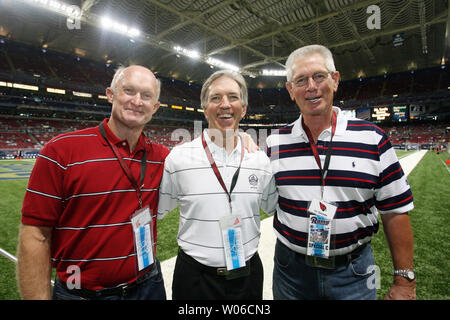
pixel 88 209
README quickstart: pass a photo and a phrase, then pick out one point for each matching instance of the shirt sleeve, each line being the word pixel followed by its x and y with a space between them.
pixel 270 197
pixel 168 197
pixel 393 193
pixel 44 196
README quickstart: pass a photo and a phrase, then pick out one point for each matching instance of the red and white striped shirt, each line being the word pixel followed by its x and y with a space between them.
pixel 78 187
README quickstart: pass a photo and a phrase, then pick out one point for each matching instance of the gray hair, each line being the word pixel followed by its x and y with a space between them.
pixel 118 75
pixel 307 51
pixel 224 73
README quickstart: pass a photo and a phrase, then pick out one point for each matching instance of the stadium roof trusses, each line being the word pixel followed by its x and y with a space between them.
pixel 367 38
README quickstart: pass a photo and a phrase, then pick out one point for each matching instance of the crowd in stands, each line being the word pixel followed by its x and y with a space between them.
pixel 29 119
pixel 420 135
pixel 30 135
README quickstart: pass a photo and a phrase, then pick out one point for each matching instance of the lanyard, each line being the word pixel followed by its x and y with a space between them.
pixel 324 171
pixel 125 167
pixel 216 170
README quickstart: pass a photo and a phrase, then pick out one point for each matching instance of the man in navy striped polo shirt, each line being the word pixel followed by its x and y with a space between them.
pixel 334 175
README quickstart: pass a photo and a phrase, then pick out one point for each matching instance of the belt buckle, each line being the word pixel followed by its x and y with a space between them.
pixel 315 261
pixel 318 262
pixel 222 272
pixel 124 290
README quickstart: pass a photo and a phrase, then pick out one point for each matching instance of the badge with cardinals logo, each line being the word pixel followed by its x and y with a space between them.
pixel 322 208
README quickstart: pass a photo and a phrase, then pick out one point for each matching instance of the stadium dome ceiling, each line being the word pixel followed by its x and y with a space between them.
pixel 252 34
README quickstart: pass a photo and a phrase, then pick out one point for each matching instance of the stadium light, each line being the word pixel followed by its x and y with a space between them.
pixel 68 10
pixel 221 64
pixel 112 25
pixel 276 73
pixel 19 86
pixel 54 90
pixel 189 53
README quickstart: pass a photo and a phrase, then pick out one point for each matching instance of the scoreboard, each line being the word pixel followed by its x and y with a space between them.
pixel 380 114
pixel 400 113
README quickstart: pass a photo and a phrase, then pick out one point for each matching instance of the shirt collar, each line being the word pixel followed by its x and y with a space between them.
pixel 341 125
pixel 120 143
pixel 215 149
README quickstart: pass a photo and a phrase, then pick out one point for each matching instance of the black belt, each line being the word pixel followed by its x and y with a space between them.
pixel 222 272
pixel 340 260
pixel 121 290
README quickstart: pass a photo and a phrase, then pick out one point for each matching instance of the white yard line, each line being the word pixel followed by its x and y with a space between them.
pixel 8 255
pixel 446 166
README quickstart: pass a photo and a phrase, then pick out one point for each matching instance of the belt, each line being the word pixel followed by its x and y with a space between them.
pixel 121 290
pixel 334 261
pixel 222 271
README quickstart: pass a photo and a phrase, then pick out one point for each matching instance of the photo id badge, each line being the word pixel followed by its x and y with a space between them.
pixel 141 221
pixel 320 227
pixel 319 232
pixel 230 227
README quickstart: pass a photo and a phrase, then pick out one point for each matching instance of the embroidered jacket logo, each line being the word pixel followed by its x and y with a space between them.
pixel 253 180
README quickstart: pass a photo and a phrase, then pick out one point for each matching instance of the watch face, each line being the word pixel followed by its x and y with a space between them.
pixel 410 274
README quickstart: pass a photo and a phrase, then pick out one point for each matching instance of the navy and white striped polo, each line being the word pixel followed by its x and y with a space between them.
pixel 364 178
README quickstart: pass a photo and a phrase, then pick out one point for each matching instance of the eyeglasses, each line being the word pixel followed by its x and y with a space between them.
pixel 318 77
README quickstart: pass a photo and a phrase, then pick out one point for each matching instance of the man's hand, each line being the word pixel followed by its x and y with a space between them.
pixel 402 290
pixel 249 143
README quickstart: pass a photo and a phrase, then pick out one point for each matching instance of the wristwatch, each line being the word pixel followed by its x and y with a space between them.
pixel 408 274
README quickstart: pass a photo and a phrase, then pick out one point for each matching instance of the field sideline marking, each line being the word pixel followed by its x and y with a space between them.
pixel 406 155
pixel 14 259
pixel 445 165
pixel 8 255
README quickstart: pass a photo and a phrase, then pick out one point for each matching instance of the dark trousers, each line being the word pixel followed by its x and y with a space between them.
pixel 195 281
pixel 149 287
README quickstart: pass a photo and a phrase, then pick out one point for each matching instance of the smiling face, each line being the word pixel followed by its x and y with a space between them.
pixel 134 98
pixel 314 98
pixel 224 108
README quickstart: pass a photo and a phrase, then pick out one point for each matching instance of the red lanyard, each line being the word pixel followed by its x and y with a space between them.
pixel 323 172
pixel 125 167
pixel 216 170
